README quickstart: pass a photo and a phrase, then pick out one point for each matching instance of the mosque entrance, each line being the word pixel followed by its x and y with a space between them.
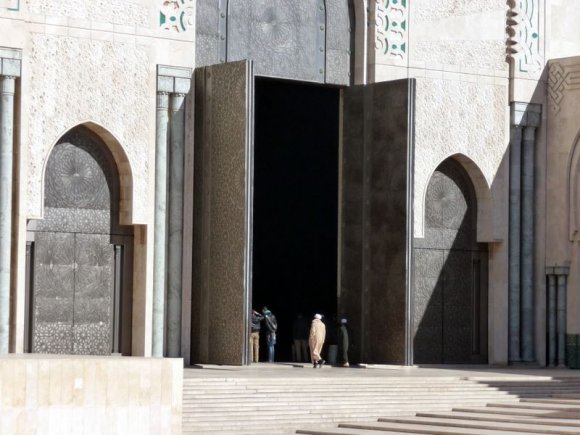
pixel 265 207
pixel 295 204
pixel 79 259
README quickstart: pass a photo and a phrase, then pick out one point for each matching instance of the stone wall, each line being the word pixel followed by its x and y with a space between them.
pixel 90 395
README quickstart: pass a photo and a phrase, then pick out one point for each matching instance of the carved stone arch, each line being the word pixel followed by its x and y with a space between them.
pixel 482 194
pixel 123 167
pixel 573 186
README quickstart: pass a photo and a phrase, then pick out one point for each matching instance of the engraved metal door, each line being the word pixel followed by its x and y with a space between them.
pixel 450 273
pixel 222 213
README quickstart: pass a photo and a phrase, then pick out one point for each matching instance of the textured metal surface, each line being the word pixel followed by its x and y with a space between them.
pixel 375 191
pixel 449 274
pixel 281 36
pixel 73 266
pixel 206 32
pixel 306 40
pixel 222 222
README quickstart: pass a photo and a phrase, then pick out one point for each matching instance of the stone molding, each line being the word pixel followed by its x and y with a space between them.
pixel 557 270
pixel 173 79
pixel 10 62
pixel 525 114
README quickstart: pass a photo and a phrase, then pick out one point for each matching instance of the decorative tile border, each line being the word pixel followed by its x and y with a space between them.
pixel 391 30
pixel 562 78
pixel 523 43
pixel 177 15
pixel 11 5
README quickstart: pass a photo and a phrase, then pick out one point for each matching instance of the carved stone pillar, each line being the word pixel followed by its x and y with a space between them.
pixel 160 246
pixel 7 88
pixel 173 84
pixel 175 223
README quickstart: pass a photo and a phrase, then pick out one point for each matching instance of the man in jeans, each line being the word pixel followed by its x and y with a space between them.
pixel 255 335
pixel 271 327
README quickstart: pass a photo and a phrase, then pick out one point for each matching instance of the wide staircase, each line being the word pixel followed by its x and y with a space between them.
pixel 326 405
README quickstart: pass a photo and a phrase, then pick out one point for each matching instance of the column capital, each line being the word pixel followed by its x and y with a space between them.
pixel 557 270
pixel 163 100
pixel 177 101
pixel 7 85
pixel 525 114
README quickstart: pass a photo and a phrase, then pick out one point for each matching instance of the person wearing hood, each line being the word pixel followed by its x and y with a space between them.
pixel 316 340
pixel 271 328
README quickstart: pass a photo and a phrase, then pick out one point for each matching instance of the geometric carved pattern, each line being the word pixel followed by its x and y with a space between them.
pixel 391 22
pixel 177 15
pixel 561 79
pixel 223 204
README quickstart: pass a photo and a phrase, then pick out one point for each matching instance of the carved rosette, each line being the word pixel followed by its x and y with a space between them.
pixel 523 43
pixel 177 15
pixel 391 31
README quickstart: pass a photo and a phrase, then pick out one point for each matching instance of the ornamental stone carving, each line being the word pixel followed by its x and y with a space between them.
pixel 455 117
pixel 121 12
pixel 109 87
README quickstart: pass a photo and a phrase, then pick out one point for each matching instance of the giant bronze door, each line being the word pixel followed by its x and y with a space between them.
pixel 79 257
pixel 223 180
pixel 376 170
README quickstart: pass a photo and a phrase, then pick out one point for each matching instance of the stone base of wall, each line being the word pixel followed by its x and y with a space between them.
pixel 573 351
pixel 90 395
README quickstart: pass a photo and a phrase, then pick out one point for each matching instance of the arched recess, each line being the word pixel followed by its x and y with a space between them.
pixel 485 219
pixel 573 180
pixel 80 255
pixel 450 273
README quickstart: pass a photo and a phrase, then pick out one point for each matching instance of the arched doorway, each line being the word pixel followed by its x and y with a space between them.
pixel 450 274
pixel 80 259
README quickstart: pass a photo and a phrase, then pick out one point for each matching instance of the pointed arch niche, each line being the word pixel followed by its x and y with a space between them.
pixel 450 273
pixel 80 254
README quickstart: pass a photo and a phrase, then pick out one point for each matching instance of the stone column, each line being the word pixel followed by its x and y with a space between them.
pixel 527 245
pixel 514 244
pixel 552 337
pixel 160 246
pixel 562 278
pixel 174 263
pixel 7 88
pixel 525 118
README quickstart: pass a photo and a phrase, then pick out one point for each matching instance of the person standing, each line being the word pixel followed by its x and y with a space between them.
pixel 271 328
pixel 316 340
pixel 343 341
pixel 300 337
pixel 255 335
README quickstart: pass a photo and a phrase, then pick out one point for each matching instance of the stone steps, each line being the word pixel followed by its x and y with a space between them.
pixel 341 405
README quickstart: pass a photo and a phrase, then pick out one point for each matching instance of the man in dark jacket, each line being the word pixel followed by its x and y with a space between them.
pixel 255 335
pixel 271 327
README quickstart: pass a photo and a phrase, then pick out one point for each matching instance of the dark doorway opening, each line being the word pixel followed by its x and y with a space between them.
pixel 295 204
